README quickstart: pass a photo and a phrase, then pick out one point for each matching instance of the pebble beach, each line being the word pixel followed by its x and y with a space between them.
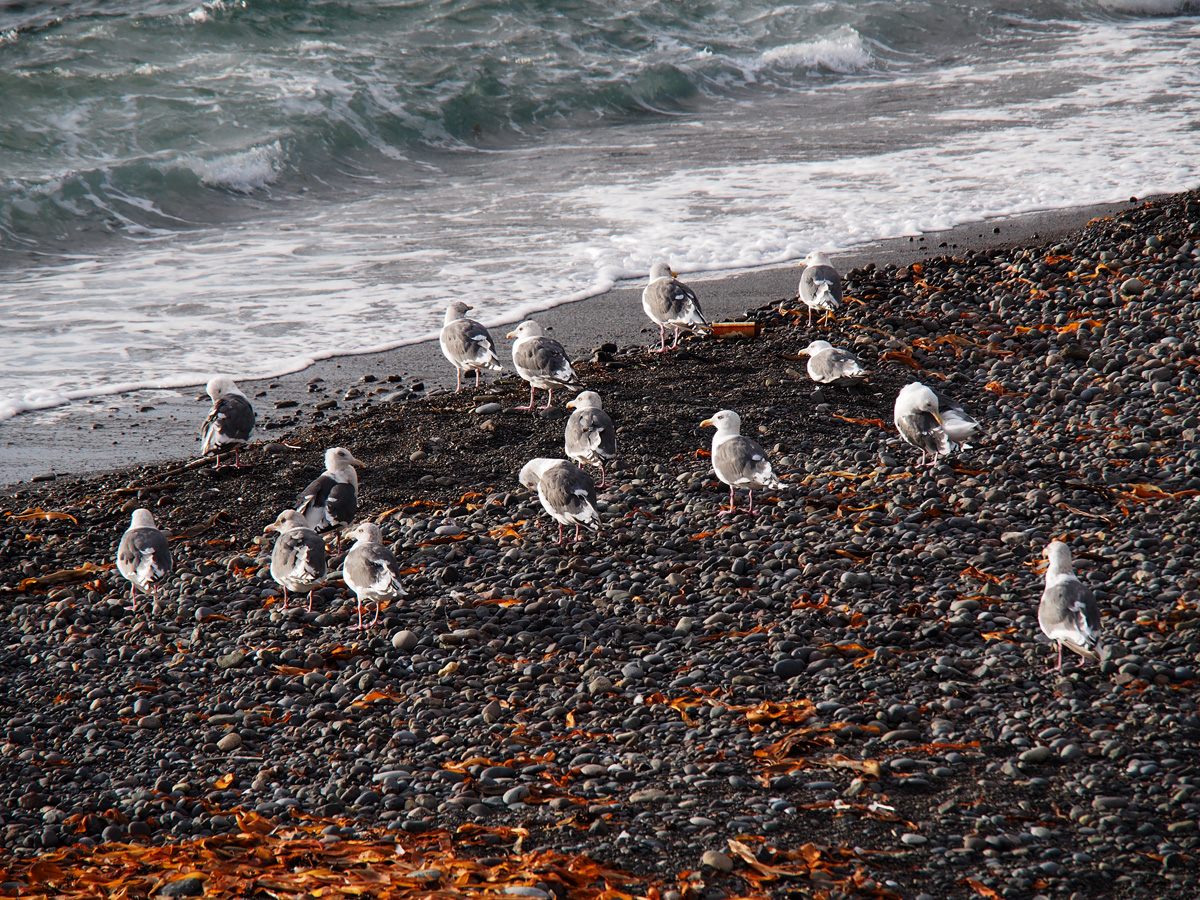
pixel 845 696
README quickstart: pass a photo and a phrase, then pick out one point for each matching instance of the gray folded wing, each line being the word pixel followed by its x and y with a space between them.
pixel 569 495
pixel 1068 613
pixel 590 436
pixel 371 571
pixel 298 559
pixel 229 423
pixel 671 302
pixel 921 430
pixel 328 502
pixel 144 557
pixel 955 422
pixel 835 366
pixel 543 361
pixel 811 280
pixel 468 345
pixel 742 462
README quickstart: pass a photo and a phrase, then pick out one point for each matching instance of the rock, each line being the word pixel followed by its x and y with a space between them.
pixel 714 859
pixel 231 660
pixel 648 795
pixel 231 741
pixel 405 640
pixel 789 668
pixel 493 712
pixel 191 886
pixel 149 722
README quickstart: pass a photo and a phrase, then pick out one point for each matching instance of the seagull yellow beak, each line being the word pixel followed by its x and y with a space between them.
pixel 571 404
pixel 674 274
pixel 706 422
pixel 511 334
pixel 357 463
pixel 937 418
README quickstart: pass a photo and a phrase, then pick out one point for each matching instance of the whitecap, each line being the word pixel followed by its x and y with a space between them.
pixel 841 51
pixel 245 171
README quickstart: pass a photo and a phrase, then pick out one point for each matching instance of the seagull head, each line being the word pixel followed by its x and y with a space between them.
pixel 816 258
pixel 457 310
pixel 141 518
pixel 366 533
pixel 288 520
pixel 916 397
pixel 527 329
pixel 586 400
pixel 1058 556
pixel 662 270
pixel 340 459
pixel 221 386
pixel 726 422
pixel 532 471
pixel 816 347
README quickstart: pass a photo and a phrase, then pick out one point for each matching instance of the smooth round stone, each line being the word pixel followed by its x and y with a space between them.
pixel 715 859
pixel 789 668
pixel 231 741
pixel 914 840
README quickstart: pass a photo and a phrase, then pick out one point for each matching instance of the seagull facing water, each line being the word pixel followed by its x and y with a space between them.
pixel 143 557
pixel 298 557
pixel 1068 613
pixel 567 493
pixel 230 421
pixel 820 286
pixel 671 304
pixel 467 344
pixel 590 437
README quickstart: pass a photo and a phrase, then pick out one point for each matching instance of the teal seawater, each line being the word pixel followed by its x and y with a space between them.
pixel 149 118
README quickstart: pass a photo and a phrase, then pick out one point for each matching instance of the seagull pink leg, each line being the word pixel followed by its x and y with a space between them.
pixel 458 386
pixel 603 477
pixel 662 338
pixel 549 398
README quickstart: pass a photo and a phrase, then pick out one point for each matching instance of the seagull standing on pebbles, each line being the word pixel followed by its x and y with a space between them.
pixel 540 360
pixel 230 421
pixel 467 344
pixel 371 571
pixel 1068 613
pixel 671 304
pixel 739 461
pixel 590 437
pixel 298 558
pixel 332 500
pixel 933 424
pixel 143 556
pixel 567 493
pixel 820 286
pixel 828 364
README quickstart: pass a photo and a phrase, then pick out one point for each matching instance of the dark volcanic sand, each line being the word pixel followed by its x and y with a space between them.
pixel 858 669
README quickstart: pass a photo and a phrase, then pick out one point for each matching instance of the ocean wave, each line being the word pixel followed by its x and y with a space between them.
pixel 245 171
pixel 842 51
pixel 1151 7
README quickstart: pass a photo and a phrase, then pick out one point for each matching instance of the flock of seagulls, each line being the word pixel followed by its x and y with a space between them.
pixel 933 424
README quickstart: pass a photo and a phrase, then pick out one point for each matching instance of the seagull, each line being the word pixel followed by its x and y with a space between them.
pixel 739 461
pixel 672 303
pixel 540 360
pixel 370 570
pixel 933 424
pixel 828 364
pixel 820 286
pixel 230 422
pixel 143 556
pixel 567 493
pixel 1068 613
pixel 590 437
pixel 332 500
pixel 467 344
pixel 298 558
